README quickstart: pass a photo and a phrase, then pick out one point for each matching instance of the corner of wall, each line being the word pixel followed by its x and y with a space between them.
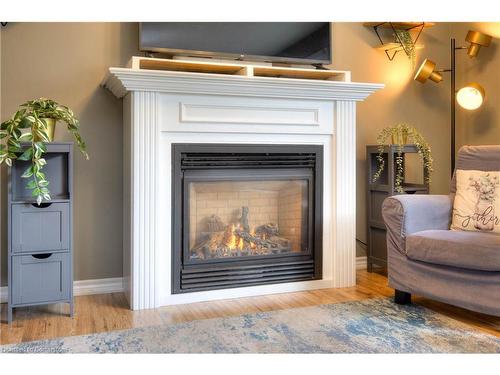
pixel 2 240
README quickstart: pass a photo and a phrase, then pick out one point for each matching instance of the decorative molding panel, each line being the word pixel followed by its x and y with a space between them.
pixel 233 114
pixel 224 114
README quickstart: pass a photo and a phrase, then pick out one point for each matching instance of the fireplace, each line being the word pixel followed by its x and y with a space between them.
pixel 261 119
pixel 245 215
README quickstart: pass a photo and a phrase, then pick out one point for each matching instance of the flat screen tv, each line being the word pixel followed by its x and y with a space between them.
pixel 284 42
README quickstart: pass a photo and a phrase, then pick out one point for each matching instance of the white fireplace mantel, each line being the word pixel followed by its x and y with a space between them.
pixel 166 107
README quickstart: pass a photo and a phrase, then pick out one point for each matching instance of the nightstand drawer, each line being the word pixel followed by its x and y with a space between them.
pixel 40 228
pixel 40 278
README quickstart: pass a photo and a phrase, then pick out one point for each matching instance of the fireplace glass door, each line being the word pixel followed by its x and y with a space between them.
pixel 247 214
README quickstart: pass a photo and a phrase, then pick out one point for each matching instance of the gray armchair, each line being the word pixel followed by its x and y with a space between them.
pixel 426 258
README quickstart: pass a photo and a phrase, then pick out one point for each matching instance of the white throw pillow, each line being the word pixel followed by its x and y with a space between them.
pixel 477 202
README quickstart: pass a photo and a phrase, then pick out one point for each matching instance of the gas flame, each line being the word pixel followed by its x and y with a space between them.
pixel 236 242
pixel 252 233
pixel 232 239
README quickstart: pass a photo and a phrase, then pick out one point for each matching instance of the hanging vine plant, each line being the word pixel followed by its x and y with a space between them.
pixel 400 135
pixel 404 37
pixel 33 124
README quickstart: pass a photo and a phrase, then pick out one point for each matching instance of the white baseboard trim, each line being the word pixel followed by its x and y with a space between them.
pixel 85 287
pixel 3 294
pixel 115 284
pixel 98 286
pixel 361 263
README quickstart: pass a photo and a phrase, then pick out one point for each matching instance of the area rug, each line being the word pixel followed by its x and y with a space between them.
pixel 369 326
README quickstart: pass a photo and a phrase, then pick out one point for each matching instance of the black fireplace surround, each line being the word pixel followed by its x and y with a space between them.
pixel 245 214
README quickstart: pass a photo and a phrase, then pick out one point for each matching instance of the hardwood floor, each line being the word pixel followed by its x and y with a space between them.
pixel 107 312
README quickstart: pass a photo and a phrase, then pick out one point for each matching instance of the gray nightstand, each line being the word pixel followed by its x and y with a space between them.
pixel 40 240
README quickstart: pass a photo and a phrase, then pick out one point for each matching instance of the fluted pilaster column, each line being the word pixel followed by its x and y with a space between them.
pixel 344 254
pixel 144 194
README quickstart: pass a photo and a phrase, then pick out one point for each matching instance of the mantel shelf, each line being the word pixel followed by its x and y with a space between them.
pixel 242 69
pixel 186 66
pixel 120 81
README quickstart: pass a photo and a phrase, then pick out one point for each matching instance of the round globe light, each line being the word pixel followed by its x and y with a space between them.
pixel 471 96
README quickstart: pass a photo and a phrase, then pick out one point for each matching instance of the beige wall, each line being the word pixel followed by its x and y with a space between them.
pixel 403 100
pixel 67 62
pixel 3 242
pixel 424 106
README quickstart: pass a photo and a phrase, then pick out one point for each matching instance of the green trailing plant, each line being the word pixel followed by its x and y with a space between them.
pixel 400 135
pixel 404 37
pixel 28 125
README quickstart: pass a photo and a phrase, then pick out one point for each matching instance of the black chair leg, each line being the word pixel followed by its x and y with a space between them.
pixel 402 298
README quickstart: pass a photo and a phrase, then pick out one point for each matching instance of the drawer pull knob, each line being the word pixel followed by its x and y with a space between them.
pixel 41 205
pixel 41 256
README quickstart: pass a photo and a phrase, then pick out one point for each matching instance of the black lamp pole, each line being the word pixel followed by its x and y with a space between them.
pixel 453 104
pixel 427 71
pixel 453 99
pixel 453 50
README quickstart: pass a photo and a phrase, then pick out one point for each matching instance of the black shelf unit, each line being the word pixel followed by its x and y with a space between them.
pixel 396 44
pixel 377 192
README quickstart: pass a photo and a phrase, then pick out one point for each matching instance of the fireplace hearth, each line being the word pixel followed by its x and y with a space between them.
pixel 245 215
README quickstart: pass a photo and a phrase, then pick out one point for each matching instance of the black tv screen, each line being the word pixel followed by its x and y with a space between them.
pixel 287 42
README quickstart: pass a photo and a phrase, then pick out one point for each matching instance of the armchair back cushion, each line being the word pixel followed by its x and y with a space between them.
pixel 481 158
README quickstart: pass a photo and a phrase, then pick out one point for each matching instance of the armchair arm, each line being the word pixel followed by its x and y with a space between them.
pixel 407 214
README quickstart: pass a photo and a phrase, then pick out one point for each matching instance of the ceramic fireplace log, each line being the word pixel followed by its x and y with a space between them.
pixel 230 240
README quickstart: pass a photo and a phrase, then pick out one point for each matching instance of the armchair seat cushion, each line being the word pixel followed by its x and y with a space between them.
pixel 469 250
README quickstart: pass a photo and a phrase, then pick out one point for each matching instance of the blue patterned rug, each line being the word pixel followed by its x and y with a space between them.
pixel 369 326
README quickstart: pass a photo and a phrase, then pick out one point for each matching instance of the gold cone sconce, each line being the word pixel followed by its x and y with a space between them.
pixel 428 71
pixel 469 97
pixel 476 40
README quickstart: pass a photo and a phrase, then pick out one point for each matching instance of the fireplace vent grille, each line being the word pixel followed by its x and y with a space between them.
pixel 227 277
pixel 242 160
